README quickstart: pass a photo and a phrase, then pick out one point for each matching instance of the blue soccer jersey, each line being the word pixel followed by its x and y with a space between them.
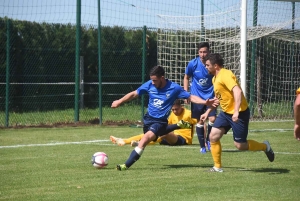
pixel 161 100
pixel 201 84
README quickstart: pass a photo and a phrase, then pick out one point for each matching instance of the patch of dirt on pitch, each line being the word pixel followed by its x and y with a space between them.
pixel 91 122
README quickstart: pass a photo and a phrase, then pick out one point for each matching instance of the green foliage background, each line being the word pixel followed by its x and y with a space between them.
pixel 42 70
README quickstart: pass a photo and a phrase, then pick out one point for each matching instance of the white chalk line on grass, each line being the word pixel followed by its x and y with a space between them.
pixel 267 130
pixel 97 141
pixel 52 144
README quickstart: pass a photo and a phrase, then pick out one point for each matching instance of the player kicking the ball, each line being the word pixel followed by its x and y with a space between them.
pixel 162 94
pixel 174 136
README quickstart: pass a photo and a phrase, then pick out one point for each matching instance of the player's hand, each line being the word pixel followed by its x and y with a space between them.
pixel 203 117
pixel 116 104
pixel 297 131
pixel 187 101
pixel 213 102
pixel 235 117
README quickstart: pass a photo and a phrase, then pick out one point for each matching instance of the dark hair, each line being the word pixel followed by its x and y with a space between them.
pixel 215 58
pixel 157 71
pixel 178 102
pixel 203 44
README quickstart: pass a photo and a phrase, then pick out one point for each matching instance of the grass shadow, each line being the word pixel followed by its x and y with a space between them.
pixel 232 150
pixel 267 170
pixel 259 170
pixel 187 166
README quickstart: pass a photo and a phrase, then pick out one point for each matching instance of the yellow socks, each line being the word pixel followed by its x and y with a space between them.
pixel 256 146
pixel 216 150
pixel 133 138
pixel 138 138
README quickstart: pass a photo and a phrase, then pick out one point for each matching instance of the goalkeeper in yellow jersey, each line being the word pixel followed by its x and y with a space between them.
pixel 234 113
pixel 297 115
pixel 174 137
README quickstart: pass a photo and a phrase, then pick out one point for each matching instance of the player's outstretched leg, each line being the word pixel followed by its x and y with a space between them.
pixel 138 151
pixel 121 167
pixel 113 139
pixel 134 156
pixel 184 124
pixel 179 125
pixel 118 141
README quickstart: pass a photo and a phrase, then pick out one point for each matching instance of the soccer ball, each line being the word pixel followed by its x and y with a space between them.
pixel 99 160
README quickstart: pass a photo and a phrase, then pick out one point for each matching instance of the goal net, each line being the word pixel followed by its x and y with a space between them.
pixel 273 49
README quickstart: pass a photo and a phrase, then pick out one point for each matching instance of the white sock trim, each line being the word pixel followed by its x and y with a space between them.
pixel 139 151
pixel 210 123
pixel 200 125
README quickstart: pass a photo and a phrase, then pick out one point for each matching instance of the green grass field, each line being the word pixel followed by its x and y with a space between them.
pixel 54 164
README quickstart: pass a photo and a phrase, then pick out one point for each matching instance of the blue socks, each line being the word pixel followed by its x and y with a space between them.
pixel 209 126
pixel 134 156
pixel 200 134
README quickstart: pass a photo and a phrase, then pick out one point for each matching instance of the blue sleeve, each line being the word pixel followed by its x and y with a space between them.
pixel 190 68
pixel 183 93
pixel 144 88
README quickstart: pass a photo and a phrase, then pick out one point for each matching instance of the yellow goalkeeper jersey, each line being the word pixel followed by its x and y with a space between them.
pixel 223 85
pixel 187 134
pixel 298 91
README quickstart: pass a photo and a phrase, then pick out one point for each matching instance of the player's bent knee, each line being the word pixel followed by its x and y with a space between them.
pixel 216 134
pixel 212 119
pixel 146 139
pixel 241 146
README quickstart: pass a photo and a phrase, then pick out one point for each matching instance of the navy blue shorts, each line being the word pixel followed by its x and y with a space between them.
pixel 199 109
pixel 239 129
pixel 180 141
pixel 157 126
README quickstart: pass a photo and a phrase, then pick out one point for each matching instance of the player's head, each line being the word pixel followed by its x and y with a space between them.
pixel 203 50
pixel 157 75
pixel 213 62
pixel 177 108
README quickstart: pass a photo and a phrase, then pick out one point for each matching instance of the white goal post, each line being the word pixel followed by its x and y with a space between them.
pixel 259 41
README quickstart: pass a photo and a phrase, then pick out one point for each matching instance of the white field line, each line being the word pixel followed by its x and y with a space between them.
pixel 267 130
pixel 52 144
pixel 110 144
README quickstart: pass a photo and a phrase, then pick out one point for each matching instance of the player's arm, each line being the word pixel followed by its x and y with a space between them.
pixel 209 102
pixel 297 109
pixel 237 94
pixel 127 97
pixel 297 117
pixel 204 116
pixel 186 81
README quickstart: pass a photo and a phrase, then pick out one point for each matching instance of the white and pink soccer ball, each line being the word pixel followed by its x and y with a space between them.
pixel 99 160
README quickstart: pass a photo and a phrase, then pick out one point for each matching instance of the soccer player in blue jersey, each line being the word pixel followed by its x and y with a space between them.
pixel 162 94
pixel 201 86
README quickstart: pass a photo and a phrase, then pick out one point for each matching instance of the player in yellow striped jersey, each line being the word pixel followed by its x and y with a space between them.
pixel 234 113
pixel 177 137
pixel 297 115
